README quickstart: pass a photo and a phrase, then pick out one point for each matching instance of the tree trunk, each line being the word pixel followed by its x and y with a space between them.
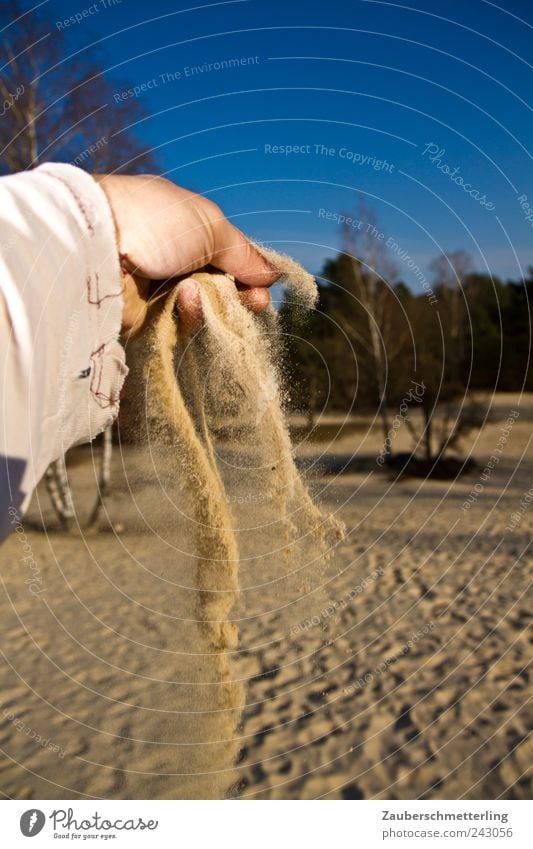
pixel 311 410
pixel 57 485
pixel 427 431
pixel 104 477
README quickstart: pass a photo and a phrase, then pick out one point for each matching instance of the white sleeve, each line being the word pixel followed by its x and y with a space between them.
pixel 61 365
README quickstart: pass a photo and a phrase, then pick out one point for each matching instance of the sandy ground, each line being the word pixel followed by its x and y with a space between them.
pixel 396 670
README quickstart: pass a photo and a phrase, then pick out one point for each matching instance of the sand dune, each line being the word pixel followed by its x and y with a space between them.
pixel 103 661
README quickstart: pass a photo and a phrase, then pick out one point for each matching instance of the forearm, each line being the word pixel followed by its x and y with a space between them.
pixel 62 367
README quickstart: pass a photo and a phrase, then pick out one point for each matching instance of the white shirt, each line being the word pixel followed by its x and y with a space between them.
pixel 61 365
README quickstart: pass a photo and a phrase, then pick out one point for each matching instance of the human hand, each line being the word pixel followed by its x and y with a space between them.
pixel 166 232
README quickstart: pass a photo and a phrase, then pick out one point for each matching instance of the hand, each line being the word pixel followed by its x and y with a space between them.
pixel 165 232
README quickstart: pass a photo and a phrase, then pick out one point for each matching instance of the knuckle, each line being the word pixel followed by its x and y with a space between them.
pixel 211 210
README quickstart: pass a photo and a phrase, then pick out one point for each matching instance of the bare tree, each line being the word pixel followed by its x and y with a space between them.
pixel 450 271
pixel 371 275
pixel 440 340
pixel 59 103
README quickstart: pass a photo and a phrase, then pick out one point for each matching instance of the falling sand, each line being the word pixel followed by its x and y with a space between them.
pixel 214 405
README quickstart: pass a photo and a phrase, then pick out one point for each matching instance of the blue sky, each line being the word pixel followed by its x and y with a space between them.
pixel 352 85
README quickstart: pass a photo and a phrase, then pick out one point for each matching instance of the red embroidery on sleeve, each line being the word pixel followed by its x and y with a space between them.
pixel 102 399
pixel 93 291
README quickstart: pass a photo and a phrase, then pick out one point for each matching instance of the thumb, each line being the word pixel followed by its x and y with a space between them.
pixel 236 255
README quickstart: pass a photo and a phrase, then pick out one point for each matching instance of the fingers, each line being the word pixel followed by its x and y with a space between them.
pixel 189 306
pixel 256 299
pixel 134 296
pixel 235 255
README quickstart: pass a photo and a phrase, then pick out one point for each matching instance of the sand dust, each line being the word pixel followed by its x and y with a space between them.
pixel 223 386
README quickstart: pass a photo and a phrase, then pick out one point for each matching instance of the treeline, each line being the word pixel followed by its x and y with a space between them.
pixel 476 338
pixel 370 338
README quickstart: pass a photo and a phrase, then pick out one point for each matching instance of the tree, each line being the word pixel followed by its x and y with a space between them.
pixel 349 350
pixel 440 335
pixel 450 270
pixel 487 305
pixel 369 272
pixel 58 102
pixel 517 366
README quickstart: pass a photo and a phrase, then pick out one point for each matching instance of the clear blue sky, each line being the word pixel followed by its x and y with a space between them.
pixel 374 80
